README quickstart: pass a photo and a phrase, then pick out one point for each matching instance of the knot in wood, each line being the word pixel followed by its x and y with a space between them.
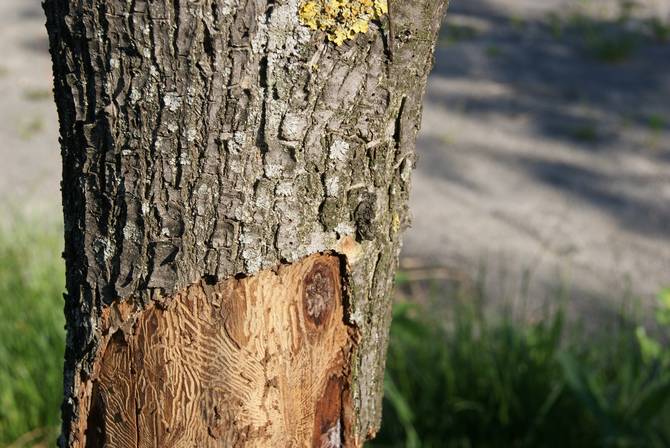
pixel 318 293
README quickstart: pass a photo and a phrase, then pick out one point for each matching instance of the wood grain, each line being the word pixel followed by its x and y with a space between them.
pixel 254 362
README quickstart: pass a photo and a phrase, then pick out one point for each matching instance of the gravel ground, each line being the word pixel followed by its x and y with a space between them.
pixel 544 153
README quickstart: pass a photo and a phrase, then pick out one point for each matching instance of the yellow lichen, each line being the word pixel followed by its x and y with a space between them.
pixel 395 224
pixel 341 19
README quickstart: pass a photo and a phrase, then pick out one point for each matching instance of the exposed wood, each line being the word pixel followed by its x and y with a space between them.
pixel 256 362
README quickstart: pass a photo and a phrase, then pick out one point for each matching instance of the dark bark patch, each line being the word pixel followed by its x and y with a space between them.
pixel 319 293
pixel 365 217
pixel 95 425
pixel 328 422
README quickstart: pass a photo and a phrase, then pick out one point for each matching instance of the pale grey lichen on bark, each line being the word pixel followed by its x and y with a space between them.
pixel 212 138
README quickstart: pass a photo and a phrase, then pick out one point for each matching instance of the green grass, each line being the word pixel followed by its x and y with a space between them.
pixel 555 23
pixel 614 40
pixel 585 133
pixel 611 46
pixel 37 94
pixel 31 331
pixel 493 51
pixel 656 122
pixel 30 127
pixel 467 380
pixel 453 33
pixel 518 23
pixel 660 30
pixel 456 377
pixel 607 41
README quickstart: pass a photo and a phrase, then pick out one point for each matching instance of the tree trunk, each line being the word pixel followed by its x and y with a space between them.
pixel 235 182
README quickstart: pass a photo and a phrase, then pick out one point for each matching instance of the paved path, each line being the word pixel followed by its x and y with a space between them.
pixel 535 156
pixel 29 152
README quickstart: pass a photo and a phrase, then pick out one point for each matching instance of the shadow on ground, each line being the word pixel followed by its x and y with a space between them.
pixel 546 141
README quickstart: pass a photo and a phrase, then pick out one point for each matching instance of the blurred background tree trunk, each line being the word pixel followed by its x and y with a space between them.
pixel 235 182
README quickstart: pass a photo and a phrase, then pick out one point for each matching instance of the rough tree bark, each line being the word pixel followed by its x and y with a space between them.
pixel 235 182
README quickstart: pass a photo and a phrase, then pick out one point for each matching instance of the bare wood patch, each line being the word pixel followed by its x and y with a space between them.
pixel 254 362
